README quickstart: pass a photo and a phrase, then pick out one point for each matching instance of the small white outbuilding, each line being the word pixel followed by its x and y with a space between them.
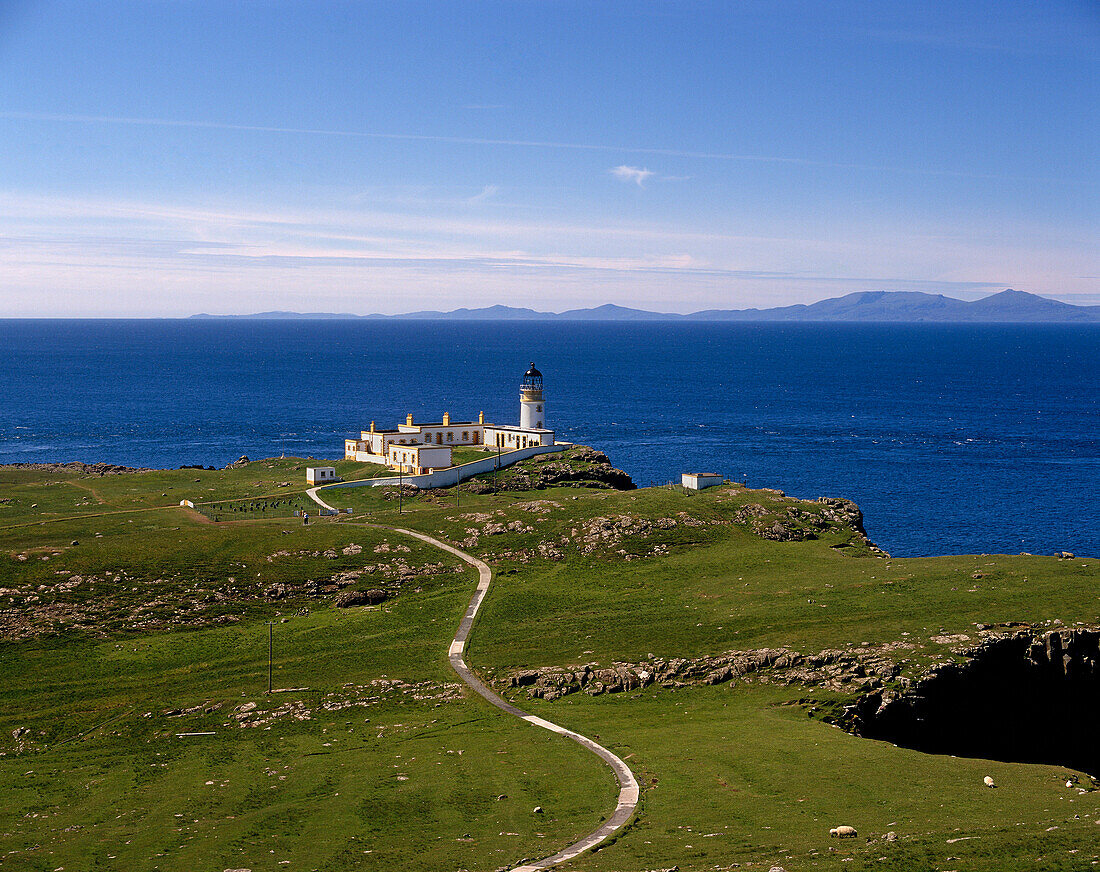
pixel 700 480
pixel 321 474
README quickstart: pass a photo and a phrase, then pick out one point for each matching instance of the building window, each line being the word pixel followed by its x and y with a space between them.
pixel 538 408
pixel 465 435
pixel 539 425
pixel 450 437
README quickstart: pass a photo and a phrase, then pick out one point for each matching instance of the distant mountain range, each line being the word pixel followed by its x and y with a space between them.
pixel 867 306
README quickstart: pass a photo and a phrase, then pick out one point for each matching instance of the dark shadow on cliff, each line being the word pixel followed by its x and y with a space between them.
pixel 1031 697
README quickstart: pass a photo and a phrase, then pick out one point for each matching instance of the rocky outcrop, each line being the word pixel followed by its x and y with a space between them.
pixel 616 537
pixel 1028 695
pixel 398 492
pixel 579 466
pixel 797 522
pixel 838 510
pixel 834 669
pixel 843 512
pixel 350 598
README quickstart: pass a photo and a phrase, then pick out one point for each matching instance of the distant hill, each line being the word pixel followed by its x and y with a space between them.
pixel 1008 306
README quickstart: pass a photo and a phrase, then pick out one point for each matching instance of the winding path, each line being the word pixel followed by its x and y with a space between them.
pixel 628 785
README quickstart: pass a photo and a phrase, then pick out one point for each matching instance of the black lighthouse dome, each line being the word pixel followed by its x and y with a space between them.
pixel 532 379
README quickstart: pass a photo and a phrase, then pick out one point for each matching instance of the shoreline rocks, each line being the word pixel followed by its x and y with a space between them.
pixel 97 469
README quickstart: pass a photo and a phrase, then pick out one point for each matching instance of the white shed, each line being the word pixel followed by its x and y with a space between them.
pixel 321 474
pixel 700 480
pixel 418 459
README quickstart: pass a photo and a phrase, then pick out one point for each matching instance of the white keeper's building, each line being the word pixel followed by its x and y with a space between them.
pixel 421 448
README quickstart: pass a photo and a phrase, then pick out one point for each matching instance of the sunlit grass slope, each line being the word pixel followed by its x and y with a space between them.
pixel 372 757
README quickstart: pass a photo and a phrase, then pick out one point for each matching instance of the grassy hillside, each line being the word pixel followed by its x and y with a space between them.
pixel 155 623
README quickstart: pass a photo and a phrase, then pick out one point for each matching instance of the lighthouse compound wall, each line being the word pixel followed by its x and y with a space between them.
pixel 453 475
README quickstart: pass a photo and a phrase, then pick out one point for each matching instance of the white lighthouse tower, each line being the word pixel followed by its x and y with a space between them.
pixel 531 405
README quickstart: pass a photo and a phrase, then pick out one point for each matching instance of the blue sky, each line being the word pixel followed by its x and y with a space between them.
pixel 166 158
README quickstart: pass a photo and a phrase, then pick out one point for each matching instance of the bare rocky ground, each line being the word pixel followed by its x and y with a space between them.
pixel 631 537
pixel 113 601
pixel 376 692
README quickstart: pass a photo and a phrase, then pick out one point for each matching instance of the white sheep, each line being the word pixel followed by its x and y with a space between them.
pixel 988 782
pixel 843 832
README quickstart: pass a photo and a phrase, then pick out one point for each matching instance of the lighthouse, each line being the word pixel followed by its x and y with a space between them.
pixel 531 405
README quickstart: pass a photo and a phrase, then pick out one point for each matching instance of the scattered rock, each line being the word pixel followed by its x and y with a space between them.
pixel 350 598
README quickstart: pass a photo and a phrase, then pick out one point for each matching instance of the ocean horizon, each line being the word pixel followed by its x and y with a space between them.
pixel 952 438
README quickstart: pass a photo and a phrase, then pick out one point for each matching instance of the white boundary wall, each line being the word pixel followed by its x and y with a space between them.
pixel 448 477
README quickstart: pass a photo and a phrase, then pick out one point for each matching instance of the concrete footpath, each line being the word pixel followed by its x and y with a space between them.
pixel 628 785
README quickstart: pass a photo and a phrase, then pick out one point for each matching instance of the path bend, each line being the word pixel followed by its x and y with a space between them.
pixel 628 785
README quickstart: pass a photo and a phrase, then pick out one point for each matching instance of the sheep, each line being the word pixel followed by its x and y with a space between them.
pixel 988 782
pixel 843 833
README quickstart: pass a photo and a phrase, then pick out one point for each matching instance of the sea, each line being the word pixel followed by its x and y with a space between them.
pixel 953 439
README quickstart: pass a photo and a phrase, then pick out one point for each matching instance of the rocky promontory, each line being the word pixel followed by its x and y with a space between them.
pixel 579 466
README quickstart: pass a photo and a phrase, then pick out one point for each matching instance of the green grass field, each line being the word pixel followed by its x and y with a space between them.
pixel 376 758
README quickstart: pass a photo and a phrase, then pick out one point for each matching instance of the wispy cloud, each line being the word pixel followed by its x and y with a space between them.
pixel 487 192
pixel 518 143
pixel 201 258
pixel 638 175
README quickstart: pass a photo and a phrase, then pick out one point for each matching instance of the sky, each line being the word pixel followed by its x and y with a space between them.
pixel 168 157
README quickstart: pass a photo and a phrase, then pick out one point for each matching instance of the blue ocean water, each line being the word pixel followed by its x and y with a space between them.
pixel 952 438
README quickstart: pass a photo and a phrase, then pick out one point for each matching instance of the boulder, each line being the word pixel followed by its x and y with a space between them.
pixel 351 598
